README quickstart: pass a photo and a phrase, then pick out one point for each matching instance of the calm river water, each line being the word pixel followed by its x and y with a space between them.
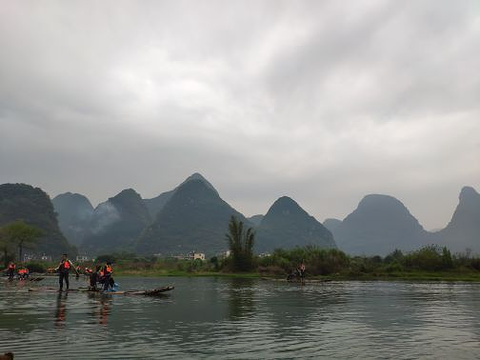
pixel 244 319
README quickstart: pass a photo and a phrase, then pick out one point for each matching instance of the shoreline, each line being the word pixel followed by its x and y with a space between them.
pixel 413 276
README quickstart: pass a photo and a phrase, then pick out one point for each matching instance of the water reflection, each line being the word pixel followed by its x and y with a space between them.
pixel 241 302
pixel 61 309
pixel 101 308
pixel 247 318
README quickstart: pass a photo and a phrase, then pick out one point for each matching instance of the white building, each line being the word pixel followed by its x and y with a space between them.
pixel 198 256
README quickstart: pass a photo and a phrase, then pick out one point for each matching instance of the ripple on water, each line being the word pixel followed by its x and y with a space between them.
pixel 248 319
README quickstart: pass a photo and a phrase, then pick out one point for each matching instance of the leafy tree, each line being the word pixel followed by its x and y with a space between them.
pixel 106 258
pixel 447 261
pixel 22 235
pixel 215 263
pixel 241 245
pixel 427 258
pixel 6 247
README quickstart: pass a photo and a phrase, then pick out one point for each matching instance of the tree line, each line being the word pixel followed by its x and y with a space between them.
pixel 16 236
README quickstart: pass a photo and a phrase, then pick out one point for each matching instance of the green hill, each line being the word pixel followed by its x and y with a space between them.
pixel 378 226
pixel 463 230
pixel 33 206
pixel 157 203
pixel 195 218
pixel 287 225
pixel 74 215
pixel 116 224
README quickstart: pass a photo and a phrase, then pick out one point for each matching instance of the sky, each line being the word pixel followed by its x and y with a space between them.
pixel 322 101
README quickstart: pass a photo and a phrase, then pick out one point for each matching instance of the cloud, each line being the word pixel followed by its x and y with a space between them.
pixel 317 100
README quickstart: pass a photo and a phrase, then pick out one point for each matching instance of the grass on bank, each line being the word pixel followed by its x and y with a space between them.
pixel 430 263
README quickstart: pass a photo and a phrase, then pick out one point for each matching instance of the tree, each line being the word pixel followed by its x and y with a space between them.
pixel 447 260
pixel 241 245
pixel 6 247
pixel 21 234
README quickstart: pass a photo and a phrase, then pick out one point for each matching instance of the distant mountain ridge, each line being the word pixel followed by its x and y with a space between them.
pixel 463 230
pixel 157 203
pixel 379 225
pixel 287 225
pixel 195 218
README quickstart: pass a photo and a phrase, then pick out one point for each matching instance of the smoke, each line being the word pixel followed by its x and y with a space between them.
pixel 104 215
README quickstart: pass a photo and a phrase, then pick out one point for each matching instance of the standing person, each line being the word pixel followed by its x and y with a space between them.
pixel 302 271
pixel 63 270
pixel 11 270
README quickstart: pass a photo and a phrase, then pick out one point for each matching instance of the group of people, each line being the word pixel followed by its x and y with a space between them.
pixel 11 270
pixel 101 275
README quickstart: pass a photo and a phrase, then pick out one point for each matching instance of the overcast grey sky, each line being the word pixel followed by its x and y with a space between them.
pixel 323 101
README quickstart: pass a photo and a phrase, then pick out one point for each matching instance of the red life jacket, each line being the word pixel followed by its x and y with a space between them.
pixel 108 269
pixel 11 266
pixel 66 265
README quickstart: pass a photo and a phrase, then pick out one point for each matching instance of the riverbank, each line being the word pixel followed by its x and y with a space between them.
pixel 402 276
pixel 173 273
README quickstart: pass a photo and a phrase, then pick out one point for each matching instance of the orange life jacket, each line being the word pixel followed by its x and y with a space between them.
pixel 108 269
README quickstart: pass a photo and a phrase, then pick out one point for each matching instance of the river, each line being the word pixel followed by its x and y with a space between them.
pixel 225 318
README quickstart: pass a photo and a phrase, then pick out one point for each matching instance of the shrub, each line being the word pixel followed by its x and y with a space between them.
pixel 36 267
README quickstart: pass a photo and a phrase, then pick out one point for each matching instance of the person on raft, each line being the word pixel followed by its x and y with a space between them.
pixel 106 276
pixel 63 269
pixel 94 278
pixel 23 273
pixel 11 270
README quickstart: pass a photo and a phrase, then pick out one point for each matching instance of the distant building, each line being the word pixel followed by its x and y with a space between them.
pixel 28 257
pixel 36 257
pixel 82 258
pixel 198 256
pixel 190 256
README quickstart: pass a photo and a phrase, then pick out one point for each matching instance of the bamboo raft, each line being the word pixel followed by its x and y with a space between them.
pixel 150 292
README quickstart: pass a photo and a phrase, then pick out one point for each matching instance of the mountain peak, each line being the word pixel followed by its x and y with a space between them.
pixel 467 193
pixel 126 193
pixel 380 224
pixel 70 197
pixel 463 229
pixel 199 177
pixel 287 225
pixel 379 200
pixel 286 206
pixel 195 217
